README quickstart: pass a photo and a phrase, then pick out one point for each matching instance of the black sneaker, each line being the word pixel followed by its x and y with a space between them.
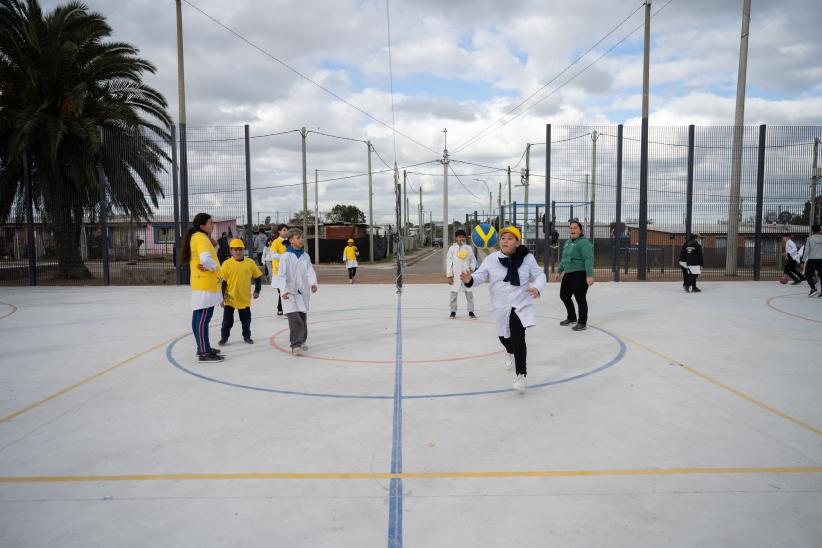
pixel 472 316
pixel 579 327
pixel 686 288
pixel 249 340
pixel 696 290
pixel 222 342
pixel 567 322
pixel 453 315
pixel 813 293
pixel 279 313
pixel 210 357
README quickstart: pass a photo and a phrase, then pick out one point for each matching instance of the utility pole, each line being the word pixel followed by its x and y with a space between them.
pixel 815 174
pixel 526 181
pixel 499 204
pixel 445 234
pixel 420 230
pixel 181 105
pixel 593 188
pixel 643 153
pixel 316 217
pixel 587 198
pixel 405 207
pixel 739 123
pixel 305 188
pixel 370 209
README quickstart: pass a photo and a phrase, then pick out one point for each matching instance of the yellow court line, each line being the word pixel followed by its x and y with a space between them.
pixel 419 475
pixel 733 391
pixel 84 381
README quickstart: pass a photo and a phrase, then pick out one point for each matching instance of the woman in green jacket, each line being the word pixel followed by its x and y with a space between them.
pixel 576 269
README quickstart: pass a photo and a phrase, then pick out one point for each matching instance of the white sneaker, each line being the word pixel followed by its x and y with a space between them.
pixel 519 384
pixel 509 362
pixel 297 351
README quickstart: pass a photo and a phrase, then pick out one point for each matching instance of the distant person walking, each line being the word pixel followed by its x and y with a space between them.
pixel 813 260
pixel 350 254
pixel 691 262
pixel 576 270
pixel 278 248
pixel 792 259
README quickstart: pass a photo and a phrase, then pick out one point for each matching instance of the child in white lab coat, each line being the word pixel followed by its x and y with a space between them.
pixel 297 280
pixel 516 279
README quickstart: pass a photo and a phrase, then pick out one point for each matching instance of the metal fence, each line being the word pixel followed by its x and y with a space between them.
pixel 596 177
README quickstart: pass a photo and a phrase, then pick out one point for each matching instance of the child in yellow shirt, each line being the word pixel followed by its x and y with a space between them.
pixel 237 275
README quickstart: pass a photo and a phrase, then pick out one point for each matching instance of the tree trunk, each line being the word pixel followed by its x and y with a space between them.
pixel 70 264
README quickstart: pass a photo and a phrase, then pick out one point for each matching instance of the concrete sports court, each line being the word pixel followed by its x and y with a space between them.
pixel 675 420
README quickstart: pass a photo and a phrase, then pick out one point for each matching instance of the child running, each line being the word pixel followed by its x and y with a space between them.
pixel 237 275
pixel 350 254
pixel 460 259
pixel 297 280
pixel 516 279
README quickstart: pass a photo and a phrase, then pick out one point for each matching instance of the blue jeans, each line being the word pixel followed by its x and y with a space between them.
pixel 199 324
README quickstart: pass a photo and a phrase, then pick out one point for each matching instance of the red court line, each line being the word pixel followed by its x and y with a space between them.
pixel 770 304
pixel 13 310
pixel 274 344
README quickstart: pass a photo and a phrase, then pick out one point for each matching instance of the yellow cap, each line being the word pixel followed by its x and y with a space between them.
pixel 350 241
pixel 514 231
pixel 236 242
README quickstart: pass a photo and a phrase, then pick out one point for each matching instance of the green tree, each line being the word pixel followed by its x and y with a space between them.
pixel 346 214
pixel 61 80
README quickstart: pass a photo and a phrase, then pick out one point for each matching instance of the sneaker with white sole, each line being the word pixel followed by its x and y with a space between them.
pixel 520 384
pixel 509 362
pixel 304 347
pixel 297 351
pixel 813 293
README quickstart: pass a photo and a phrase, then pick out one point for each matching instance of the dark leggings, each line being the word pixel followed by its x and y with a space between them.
pixel 352 272
pixel 685 274
pixel 199 324
pixel 791 271
pixel 575 283
pixel 515 344
pixel 279 301
pixel 813 266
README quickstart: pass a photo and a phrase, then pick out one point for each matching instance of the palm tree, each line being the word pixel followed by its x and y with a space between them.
pixel 62 85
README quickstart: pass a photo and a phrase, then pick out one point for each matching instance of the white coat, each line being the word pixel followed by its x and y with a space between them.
pixel 456 265
pixel 505 296
pixel 296 276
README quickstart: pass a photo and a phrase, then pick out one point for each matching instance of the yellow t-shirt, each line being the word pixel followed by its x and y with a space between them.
pixel 350 252
pixel 238 276
pixel 203 281
pixel 277 246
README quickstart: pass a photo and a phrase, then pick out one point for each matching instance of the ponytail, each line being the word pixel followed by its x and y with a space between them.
pixel 199 220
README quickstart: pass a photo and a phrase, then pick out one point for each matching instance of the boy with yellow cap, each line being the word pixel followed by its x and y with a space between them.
pixel 516 280
pixel 350 254
pixel 237 275
pixel 278 246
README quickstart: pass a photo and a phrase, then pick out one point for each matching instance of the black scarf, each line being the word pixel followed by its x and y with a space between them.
pixel 513 263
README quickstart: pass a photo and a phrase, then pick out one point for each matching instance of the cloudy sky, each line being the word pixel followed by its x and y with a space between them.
pixel 460 65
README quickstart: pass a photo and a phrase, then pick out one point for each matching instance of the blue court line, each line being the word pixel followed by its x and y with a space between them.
pixel 620 355
pixel 395 490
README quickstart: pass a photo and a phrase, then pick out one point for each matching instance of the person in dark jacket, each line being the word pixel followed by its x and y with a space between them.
pixel 576 270
pixel 223 252
pixel 691 255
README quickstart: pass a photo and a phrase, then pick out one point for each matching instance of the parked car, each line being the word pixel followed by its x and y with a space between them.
pixel 437 242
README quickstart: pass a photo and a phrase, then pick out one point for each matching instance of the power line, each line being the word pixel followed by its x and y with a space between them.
pixel 482 134
pixel 306 78
pixel 461 183
pixel 337 136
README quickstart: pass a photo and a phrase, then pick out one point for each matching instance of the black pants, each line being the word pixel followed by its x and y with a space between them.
pixel 813 266
pixel 791 271
pixel 575 283
pixel 352 272
pixel 692 281
pixel 279 302
pixel 515 344
pixel 228 322
pixel 685 275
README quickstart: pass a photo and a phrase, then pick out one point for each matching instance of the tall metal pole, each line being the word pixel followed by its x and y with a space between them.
pixel 31 247
pixel 814 178
pixel 526 182
pixel 249 229
pixel 547 225
pixel 618 213
pixel 760 193
pixel 445 234
pixel 499 205
pixel 405 207
pixel 305 187
pixel 181 105
pixel 421 220
pixel 178 229
pixel 398 212
pixel 587 197
pixel 181 82
pixel 689 207
pixel 101 179
pixel 593 191
pixel 316 217
pixel 370 209
pixel 736 166
pixel 643 156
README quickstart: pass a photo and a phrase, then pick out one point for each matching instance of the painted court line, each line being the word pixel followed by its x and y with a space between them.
pixel 689 471
pixel 13 310
pixel 82 382
pixel 727 388
pixel 769 302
